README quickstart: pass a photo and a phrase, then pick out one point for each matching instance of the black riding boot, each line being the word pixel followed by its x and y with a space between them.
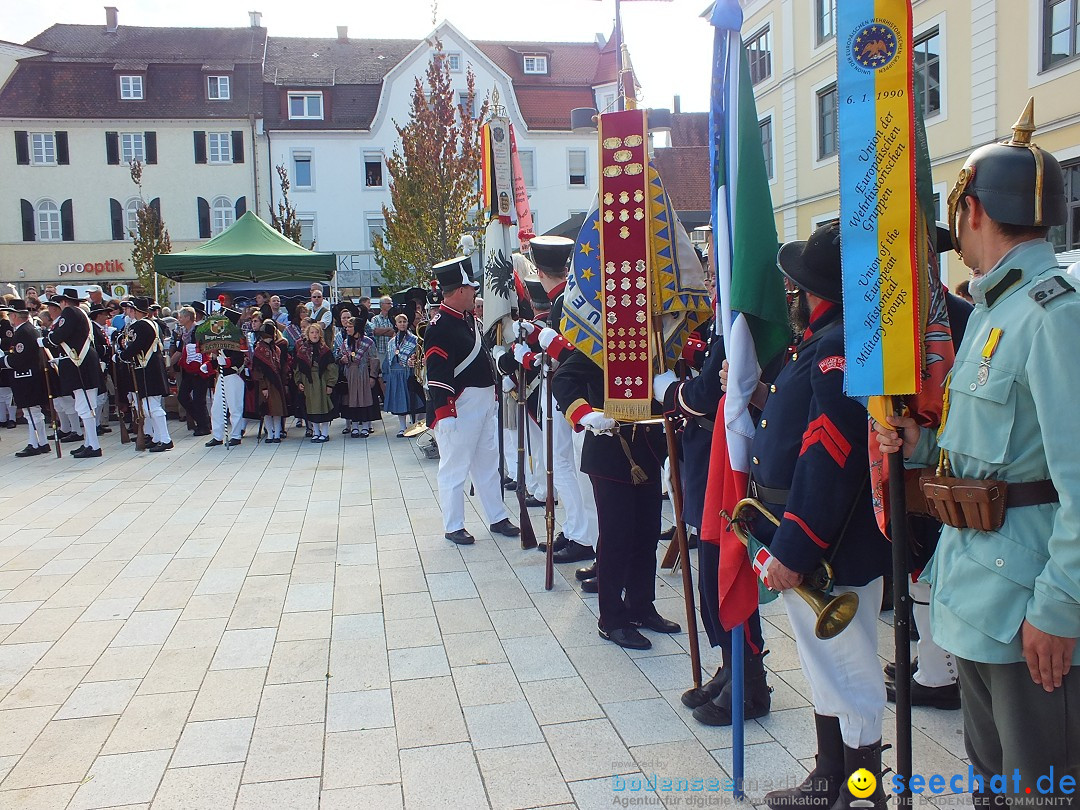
pixel 822 787
pixel 869 758
pixel 700 695
pixel 757 696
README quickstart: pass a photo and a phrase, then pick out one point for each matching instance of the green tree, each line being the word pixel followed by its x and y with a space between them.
pixel 150 238
pixel 433 172
pixel 284 220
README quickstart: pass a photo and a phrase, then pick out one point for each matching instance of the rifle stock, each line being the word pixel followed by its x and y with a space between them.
pixel 549 507
pixel 52 407
pixel 125 437
pixel 140 431
pixel 528 536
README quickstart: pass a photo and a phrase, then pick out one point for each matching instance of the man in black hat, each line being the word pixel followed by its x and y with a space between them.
pixel 23 358
pixel 809 468
pixel 71 342
pixel 462 391
pixel 99 322
pixel 144 352
pixel 7 401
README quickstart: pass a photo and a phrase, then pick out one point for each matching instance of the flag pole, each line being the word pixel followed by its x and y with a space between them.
pixel 738 721
pixel 898 532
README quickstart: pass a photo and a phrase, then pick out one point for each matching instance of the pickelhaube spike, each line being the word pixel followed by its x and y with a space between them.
pixel 1024 127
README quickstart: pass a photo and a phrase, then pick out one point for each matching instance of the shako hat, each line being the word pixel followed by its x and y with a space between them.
pixel 454 273
pixel 551 253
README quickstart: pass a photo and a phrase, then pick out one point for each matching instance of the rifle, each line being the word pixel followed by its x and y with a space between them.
pixel 528 536
pixel 125 437
pixel 549 507
pixel 52 407
pixel 140 432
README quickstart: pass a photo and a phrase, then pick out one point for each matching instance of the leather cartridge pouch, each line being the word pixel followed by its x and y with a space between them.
pixel 967 503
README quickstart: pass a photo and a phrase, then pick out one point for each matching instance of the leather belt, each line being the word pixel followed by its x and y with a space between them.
pixel 705 423
pixel 1031 493
pixel 770 495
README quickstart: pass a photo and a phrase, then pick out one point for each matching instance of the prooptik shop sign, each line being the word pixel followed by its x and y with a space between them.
pixel 92 268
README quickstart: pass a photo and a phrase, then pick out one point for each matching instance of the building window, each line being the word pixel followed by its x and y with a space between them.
pixel 606 102
pixel 373 174
pixel 43 148
pixel 307 230
pixel 1061 29
pixel 376 226
pixel 48 222
pixel 825 19
pixel 305 105
pixel 217 88
pixel 131 217
pixel 527 158
pixel 826 120
pixel 765 127
pixel 577 159
pixel 219 147
pixel 453 61
pixel 536 64
pixel 222 215
pixel 927 55
pixel 1067 236
pixel 467 104
pixel 302 176
pixel 132 147
pixel 759 54
pixel 131 88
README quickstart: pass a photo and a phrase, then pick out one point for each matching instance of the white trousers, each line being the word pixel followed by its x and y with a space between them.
pixel 229 392
pixel 564 473
pixel 845 675
pixel 535 476
pixel 35 424
pixel 588 501
pixel 85 399
pixel 101 408
pixel 154 414
pixel 936 667
pixel 7 405
pixel 468 450
pixel 66 414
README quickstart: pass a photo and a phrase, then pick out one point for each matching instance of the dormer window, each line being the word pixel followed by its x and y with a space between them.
pixel 131 88
pixel 536 64
pixel 217 88
pixel 305 105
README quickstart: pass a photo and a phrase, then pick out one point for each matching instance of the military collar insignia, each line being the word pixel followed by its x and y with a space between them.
pixel 1010 278
pixel 1046 291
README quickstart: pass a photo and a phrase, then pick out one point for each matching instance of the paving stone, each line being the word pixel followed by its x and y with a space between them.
pixel 368 757
pixel 119 779
pixel 63 752
pixel 522 776
pixel 208 787
pixel 292 794
pixel 213 742
pixel 442 776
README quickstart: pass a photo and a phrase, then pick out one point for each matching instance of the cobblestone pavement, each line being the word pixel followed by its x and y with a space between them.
pixel 286 627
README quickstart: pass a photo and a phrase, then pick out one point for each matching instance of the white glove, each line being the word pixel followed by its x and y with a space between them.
pixel 41 342
pixel 524 327
pixel 508 384
pixel 222 359
pixel 102 364
pixel 661 383
pixel 203 368
pixel 446 426
pixel 596 422
pixel 547 334
pixel 497 352
pixel 520 350
pixel 3 354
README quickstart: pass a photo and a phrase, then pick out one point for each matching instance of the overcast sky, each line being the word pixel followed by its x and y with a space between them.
pixel 669 43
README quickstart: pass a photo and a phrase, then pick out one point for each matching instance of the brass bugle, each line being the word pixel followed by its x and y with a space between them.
pixel 415 429
pixel 833 613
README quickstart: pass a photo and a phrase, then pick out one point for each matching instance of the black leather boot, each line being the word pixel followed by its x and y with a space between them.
pixel 868 758
pixel 700 695
pixel 757 696
pixel 821 787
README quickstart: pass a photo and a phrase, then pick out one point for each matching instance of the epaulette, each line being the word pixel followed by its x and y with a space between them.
pixel 1046 291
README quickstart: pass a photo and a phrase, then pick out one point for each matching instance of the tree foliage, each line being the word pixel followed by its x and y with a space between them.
pixel 433 177
pixel 150 238
pixel 284 220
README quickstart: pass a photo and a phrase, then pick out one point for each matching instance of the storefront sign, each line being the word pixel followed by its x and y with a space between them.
pixel 92 268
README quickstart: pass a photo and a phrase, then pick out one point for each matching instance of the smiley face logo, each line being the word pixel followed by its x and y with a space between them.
pixel 862 783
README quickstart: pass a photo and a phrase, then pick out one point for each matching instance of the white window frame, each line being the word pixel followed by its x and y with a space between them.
pixel 762 32
pixel 301 154
pixel 309 220
pixel 47 221
pixel 585 166
pixel 819 7
pixel 767 115
pixel 374 157
pixel 819 162
pixel 530 177
pixel 224 88
pixel 223 155
pixel 131 217
pixel 451 58
pixel 134 90
pixel 938 22
pixel 132 147
pixel 462 100
pixel 47 150
pixel 222 215
pixel 539 64
pixel 306 96
pixel 377 220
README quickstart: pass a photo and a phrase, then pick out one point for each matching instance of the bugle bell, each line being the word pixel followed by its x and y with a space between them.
pixel 833 613
pixel 415 429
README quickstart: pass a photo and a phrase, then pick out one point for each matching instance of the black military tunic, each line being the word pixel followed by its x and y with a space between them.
pixel 143 350
pixel 24 361
pixel 6 333
pixel 456 359
pixel 71 342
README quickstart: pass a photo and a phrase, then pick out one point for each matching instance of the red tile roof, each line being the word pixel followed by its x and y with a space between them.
pixel 685 172
pixel 690 129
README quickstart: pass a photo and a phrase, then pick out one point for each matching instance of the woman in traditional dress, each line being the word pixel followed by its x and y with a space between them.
pixel 315 375
pixel 294 334
pixel 359 361
pixel 400 369
pixel 269 371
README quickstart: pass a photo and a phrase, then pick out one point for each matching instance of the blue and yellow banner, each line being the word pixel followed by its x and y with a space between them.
pixel 878 227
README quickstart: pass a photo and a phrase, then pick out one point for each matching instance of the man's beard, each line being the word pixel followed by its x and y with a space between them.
pixel 798 313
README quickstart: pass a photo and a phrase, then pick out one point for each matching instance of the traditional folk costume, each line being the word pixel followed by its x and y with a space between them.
pixel 317 372
pixel 360 365
pixel 401 400
pixel 270 368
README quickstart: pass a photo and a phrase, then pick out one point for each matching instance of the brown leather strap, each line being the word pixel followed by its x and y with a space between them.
pixel 1031 493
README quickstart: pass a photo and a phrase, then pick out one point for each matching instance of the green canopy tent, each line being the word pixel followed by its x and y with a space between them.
pixel 249 250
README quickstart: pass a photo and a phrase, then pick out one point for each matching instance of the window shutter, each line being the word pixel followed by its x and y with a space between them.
pixel 22 148
pixel 241 207
pixel 67 222
pixel 62 158
pixel 27 221
pixel 116 213
pixel 155 204
pixel 150 147
pixel 238 146
pixel 200 147
pixel 204 219
pixel 112 148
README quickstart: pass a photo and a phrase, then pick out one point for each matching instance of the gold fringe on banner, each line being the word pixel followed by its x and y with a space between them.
pixel 632 411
